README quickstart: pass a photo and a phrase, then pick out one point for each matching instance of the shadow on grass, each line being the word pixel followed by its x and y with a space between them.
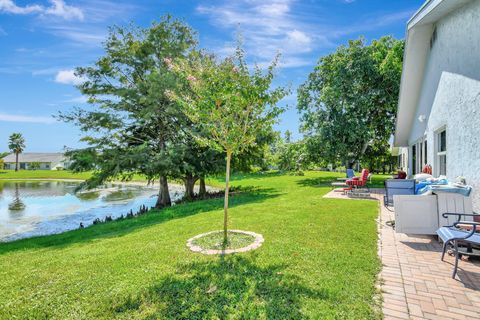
pixel 227 287
pixel 319 182
pixel 239 176
pixel 122 227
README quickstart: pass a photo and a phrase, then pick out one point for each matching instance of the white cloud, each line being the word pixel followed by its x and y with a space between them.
pixel 288 27
pixel 68 77
pixel 9 6
pixel 274 9
pixel 299 40
pixel 26 119
pixel 268 27
pixel 60 9
pixel 57 8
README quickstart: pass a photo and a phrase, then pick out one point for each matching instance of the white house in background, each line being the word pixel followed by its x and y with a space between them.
pixel 47 161
pixel 438 120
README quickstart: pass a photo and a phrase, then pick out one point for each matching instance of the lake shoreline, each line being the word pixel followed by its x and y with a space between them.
pixel 138 183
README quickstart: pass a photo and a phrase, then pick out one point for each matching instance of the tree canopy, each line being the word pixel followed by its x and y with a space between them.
pixel 16 144
pixel 350 99
pixel 131 122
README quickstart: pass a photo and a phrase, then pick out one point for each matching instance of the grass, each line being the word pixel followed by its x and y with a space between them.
pixel 214 241
pixel 319 261
pixel 43 174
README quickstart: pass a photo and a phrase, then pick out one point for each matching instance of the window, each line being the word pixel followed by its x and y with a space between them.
pixel 420 153
pixel 425 150
pixel 442 147
pixel 442 152
pixel 414 159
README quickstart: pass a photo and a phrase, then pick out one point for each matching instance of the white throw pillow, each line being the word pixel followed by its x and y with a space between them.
pixel 422 176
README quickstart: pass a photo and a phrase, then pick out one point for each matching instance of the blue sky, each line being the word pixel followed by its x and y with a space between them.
pixel 41 42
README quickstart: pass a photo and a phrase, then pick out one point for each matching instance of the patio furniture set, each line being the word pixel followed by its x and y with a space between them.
pixel 425 206
pixel 352 186
pixel 443 209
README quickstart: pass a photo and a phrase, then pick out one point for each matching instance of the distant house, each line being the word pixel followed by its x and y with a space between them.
pixel 438 120
pixel 43 161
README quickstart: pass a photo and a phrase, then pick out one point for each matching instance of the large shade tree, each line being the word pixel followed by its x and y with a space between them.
pixel 16 144
pixel 229 103
pixel 131 124
pixel 350 99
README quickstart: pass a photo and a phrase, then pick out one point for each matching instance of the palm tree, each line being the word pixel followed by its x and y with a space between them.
pixel 16 144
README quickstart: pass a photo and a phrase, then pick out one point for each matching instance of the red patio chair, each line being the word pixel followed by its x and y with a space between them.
pixel 357 182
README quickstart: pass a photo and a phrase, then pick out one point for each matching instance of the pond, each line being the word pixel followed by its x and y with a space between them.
pixel 35 208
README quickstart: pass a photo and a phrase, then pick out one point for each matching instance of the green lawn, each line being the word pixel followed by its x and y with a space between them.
pixel 319 261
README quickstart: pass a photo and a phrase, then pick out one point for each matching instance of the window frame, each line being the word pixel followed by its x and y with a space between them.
pixel 441 153
pixel 420 158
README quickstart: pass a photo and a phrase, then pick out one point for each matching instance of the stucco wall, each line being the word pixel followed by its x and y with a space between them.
pixel 451 95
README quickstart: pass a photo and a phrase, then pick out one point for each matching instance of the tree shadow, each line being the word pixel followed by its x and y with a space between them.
pixel 227 287
pixel 319 182
pixel 120 228
pixel 239 176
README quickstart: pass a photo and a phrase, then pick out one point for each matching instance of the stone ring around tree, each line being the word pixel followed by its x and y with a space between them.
pixel 212 242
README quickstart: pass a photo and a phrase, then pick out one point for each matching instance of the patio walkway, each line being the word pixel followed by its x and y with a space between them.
pixel 415 284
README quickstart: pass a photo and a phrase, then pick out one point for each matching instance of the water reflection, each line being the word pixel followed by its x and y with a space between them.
pixel 88 195
pixel 16 204
pixel 31 208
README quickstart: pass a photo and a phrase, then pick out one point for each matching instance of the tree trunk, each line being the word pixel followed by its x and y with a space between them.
pixel 225 206
pixel 203 188
pixel 163 199
pixel 189 182
pixel 16 161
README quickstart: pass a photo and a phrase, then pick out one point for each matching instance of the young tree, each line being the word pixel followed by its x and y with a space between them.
pixel 131 122
pixel 350 100
pixel 16 144
pixel 229 103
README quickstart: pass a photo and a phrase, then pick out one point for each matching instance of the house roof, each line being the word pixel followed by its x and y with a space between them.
pixel 35 157
pixel 419 32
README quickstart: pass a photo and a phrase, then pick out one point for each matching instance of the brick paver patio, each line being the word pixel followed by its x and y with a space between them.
pixel 415 284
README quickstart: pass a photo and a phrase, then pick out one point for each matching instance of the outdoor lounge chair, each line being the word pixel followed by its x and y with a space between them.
pixel 357 182
pixel 453 235
pixel 397 187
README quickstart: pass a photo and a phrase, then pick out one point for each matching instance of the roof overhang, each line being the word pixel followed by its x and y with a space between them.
pixel 417 47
